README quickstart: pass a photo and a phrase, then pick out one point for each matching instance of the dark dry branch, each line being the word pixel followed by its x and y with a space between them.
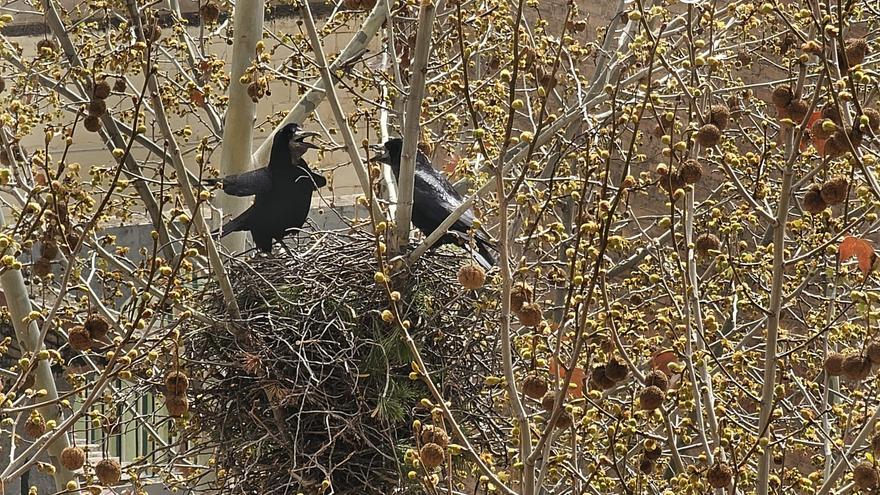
pixel 318 345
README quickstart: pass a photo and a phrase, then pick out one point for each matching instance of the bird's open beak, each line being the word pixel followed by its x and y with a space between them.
pixel 301 136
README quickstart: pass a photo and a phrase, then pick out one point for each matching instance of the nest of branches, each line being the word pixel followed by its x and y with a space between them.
pixel 316 385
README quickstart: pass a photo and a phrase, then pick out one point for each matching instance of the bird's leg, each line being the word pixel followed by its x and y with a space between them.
pixel 286 248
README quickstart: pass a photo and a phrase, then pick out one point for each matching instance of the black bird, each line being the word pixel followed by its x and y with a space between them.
pixel 282 190
pixel 434 199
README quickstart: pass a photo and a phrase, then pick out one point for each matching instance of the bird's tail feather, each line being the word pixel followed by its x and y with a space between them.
pixel 483 256
pixel 237 224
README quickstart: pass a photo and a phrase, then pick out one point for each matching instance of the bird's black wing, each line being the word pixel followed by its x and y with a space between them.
pixel 432 187
pixel 246 184
pixel 237 224
pixel 317 180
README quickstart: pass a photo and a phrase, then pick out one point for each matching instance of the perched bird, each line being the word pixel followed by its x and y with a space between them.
pixel 434 199
pixel 282 190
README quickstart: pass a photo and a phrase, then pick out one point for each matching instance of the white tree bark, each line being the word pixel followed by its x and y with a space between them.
pixel 313 97
pixel 238 128
pixel 411 125
pixel 28 336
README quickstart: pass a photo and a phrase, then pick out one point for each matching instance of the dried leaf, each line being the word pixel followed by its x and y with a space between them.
pixel 862 249
pixel 577 378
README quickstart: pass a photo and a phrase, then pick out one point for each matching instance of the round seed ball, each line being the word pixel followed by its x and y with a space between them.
pixel 616 369
pixel 119 85
pixel 719 475
pixel 97 107
pixel 176 382
pixel 654 452
pixel 101 90
pixel 530 315
pixel 210 12
pixel 836 145
pixel 92 123
pixel 813 202
pixel 709 135
pixel 471 277
pixel 856 50
pixel 79 338
pixel 834 190
pixel 720 116
pixel 797 110
pixel 856 367
pixel 42 267
pixel 177 405
pixel 691 171
pixel 650 398
pixel 599 378
pixel 670 183
pixel 706 243
pixel 534 386
pixel 865 476
pixel 875 445
pixel 548 401
pixel 108 471
pixel 49 250
pixel 782 95
pixel 564 421
pixel 433 434
pixel 97 326
pixel 819 131
pixel 657 379
pixel 519 295
pixel 833 364
pixel 72 458
pixel 431 455
pixel 646 466
pixel 35 426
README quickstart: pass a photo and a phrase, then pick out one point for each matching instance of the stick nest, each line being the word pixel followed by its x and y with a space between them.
pixel 315 359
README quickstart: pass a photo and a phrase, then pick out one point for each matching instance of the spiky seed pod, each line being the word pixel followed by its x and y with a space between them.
pixel 650 398
pixel 177 405
pixel 176 382
pixel 709 135
pixel 42 267
pixel 49 250
pixel 646 466
pixel 856 367
pixel 255 91
pixel 872 350
pixel 873 119
pixel 431 455
pixel 97 107
pixel 599 379
pixel 833 364
pixel 519 295
pixel 72 458
pixel 548 401
pixel 813 202
pixel 616 369
pixel 471 276
pixel 46 45
pixel 653 453
pixel 530 315
pixel 35 425
pixel 691 171
pixel 97 326
pixel 108 471
pixel 782 96
pixel 101 90
pixel 707 243
pixel 657 379
pixel 819 131
pixel 534 386
pixel 434 434
pixel 719 115
pixel 834 190
pixel 210 12
pixel 92 123
pixel 865 476
pixel 744 58
pixel 856 50
pixel 719 475
pixel 79 338
pixel 119 85
pixel 797 110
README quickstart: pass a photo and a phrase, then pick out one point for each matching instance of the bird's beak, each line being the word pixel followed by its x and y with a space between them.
pixel 301 136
